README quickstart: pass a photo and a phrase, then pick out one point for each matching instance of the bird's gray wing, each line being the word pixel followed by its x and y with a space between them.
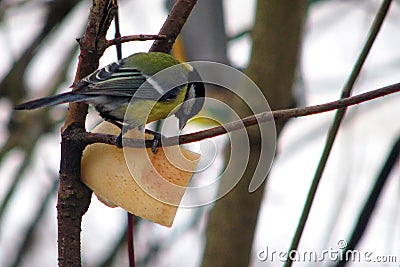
pixel 118 80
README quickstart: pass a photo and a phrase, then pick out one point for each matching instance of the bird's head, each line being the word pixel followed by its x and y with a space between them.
pixel 194 99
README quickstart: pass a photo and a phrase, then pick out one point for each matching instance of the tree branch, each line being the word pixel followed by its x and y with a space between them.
pixel 173 25
pixel 74 197
pixel 138 37
pixel 337 121
pixel 248 121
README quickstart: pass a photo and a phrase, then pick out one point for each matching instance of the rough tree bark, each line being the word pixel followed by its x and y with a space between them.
pixel 276 42
pixel 73 196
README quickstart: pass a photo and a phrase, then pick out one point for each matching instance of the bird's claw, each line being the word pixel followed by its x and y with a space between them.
pixel 154 145
pixel 118 141
pixel 156 140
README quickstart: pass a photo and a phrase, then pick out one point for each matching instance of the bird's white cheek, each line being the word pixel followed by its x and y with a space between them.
pixel 156 85
pixel 188 104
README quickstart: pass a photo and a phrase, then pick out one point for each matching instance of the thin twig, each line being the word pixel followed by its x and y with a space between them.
pixel 117 35
pixel 249 121
pixel 138 37
pixel 130 237
pixel 346 92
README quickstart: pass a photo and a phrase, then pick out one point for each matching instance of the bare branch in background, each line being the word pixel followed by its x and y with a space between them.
pixel 12 86
pixel 29 236
pixel 364 218
pixel 333 131
pixel 173 25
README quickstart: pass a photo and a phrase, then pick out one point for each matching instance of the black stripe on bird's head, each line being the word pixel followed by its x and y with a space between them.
pixel 194 99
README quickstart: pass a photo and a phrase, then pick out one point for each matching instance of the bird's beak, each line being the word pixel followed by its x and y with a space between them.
pixel 182 124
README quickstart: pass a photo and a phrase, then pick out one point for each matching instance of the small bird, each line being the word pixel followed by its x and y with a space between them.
pixel 130 92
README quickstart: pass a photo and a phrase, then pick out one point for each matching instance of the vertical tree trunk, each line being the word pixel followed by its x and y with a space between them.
pixel 276 42
pixel 73 196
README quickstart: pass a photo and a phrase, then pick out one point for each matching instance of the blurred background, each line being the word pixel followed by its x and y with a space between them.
pixel 299 53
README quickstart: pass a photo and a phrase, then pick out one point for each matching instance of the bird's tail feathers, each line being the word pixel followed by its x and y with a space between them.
pixel 51 101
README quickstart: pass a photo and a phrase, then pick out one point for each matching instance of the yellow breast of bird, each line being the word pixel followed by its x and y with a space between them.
pixel 144 110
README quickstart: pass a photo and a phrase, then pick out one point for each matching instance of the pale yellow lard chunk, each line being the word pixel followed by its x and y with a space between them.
pixel 164 177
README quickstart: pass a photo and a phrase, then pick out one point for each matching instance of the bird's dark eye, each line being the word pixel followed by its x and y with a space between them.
pixel 171 94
